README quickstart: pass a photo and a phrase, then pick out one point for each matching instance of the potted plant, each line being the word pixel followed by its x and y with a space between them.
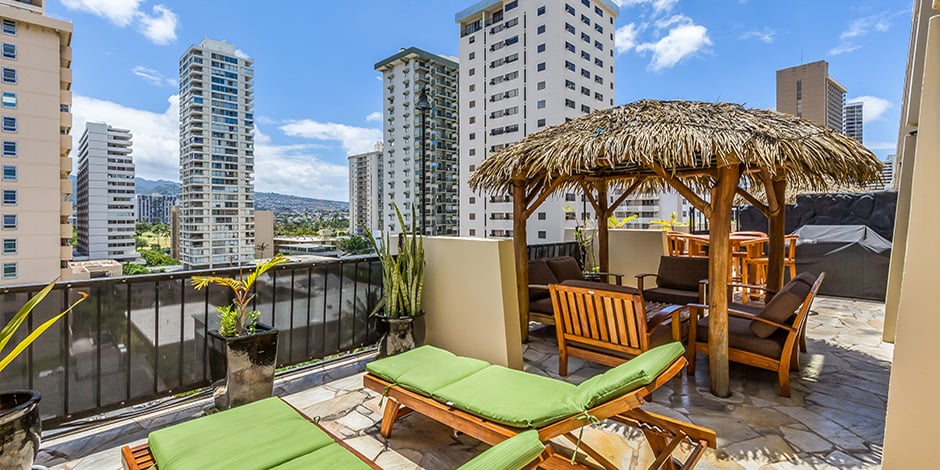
pixel 402 286
pixel 249 353
pixel 20 424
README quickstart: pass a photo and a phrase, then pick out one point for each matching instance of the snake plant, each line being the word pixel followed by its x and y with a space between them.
pixel 402 274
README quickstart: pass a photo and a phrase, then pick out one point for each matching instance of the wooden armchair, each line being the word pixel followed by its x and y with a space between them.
pixel 677 280
pixel 767 339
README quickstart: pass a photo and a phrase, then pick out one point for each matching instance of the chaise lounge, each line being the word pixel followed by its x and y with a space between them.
pixel 493 403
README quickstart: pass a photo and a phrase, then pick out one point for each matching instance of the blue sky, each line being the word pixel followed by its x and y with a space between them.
pixel 317 96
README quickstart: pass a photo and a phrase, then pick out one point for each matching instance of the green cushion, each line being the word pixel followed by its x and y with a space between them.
pixel 631 375
pixel 426 369
pixel 512 454
pixel 511 397
pixel 333 456
pixel 275 433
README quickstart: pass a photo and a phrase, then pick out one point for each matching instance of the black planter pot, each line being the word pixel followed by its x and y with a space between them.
pixel 20 428
pixel 247 366
pixel 402 334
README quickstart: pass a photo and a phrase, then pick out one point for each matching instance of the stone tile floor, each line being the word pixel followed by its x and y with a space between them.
pixel 835 418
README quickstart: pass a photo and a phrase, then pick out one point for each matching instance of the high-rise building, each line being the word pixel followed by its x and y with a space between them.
pixel 35 138
pixel 105 193
pixel 525 65
pixel 852 120
pixel 809 92
pixel 155 208
pixel 216 156
pixel 404 76
pixel 366 192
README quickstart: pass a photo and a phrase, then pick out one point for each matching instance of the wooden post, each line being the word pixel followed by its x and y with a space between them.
pixel 776 230
pixel 603 233
pixel 522 255
pixel 719 275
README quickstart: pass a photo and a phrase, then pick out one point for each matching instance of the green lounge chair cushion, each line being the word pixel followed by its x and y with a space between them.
pixel 511 397
pixel 277 434
pixel 425 369
pixel 512 454
pixel 631 375
pixel 333 456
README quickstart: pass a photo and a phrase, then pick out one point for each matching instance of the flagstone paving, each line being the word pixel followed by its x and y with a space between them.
pixel 835 418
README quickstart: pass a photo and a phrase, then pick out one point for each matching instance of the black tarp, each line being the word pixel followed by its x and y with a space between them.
pixel 854 258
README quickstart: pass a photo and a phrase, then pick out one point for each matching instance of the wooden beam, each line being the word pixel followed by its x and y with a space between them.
pixel 719 275
pixel 626 194
pixel 753 200
pixel 773 203
pixel 589 193
pixel 531 207
pixel 522 256
pixel 684 190
pixel 534 192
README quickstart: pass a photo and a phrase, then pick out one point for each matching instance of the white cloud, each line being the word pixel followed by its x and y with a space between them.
pixel 843 49
pixel 374 117
pixel 625 38
pixel 683 40
pixel 861 27
pixel 159 27
pixel 297 170
pixel 882 146
pixel 156 134
pixel 241 54
pixel 765 35
pixel 873 108
pixel 353 139
pixel 659 6
pixel 154 77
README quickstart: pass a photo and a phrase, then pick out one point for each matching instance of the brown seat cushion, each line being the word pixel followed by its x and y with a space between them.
pixel 564 268
pixel 543 305
pixel 540 273
pixel 781 308
pixel 600 286
pixel 681 272
pixel 670 296
pixel 741 337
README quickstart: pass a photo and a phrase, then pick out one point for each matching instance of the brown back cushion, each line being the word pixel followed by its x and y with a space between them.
pixel 681 272
pixel 805 278
pixel 781 308
pixel 539 273
pixel 564 267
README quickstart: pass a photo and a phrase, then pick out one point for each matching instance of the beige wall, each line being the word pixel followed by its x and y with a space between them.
pixel 264 233
pixel 910 429
pixel 470 299
pixel 635 252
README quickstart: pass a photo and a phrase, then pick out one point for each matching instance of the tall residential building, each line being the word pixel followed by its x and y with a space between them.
pixel 525 65
pixel 404 76
pixel 35 137
pixel 809 92
pixel 216 156
pixel 852 120
pixel 366 193
pixel 105 199
pixel 155 208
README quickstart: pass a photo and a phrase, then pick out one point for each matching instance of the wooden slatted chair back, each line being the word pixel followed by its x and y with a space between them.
pixel 600 319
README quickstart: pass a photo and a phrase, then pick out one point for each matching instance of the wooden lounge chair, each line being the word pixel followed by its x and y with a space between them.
pixel 767 339
pixel 608 325
pixel 493 403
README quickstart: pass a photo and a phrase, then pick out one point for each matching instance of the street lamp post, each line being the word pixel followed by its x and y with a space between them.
pixel 423 106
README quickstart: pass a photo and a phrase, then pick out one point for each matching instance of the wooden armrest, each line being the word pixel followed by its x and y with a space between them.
pixel 656 320
pixel 736 284
pixel 616 275
pixel 641 276
pixel 538 287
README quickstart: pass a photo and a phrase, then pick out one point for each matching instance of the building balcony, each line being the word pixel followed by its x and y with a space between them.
pixel 65 165
pixel 65 78
pixel 65 252
pixel 65 231
pixel 65 120
pixel 65 144
pixel 65 56
pixel 65 187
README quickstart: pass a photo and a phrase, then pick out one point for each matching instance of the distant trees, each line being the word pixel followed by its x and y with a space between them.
pixel 354 245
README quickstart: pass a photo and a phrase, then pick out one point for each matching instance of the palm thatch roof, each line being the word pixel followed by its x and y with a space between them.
pixel 687 139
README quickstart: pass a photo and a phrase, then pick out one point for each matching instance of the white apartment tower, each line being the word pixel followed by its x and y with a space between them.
pixel 525 65
pixel 35 138
pixel 154 208
pixel 366 191
pixel 404 76
pixel 105 193
pixel 852 120
pixel 216 156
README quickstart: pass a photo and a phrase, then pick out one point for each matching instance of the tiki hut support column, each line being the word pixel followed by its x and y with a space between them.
pixel 776 231
pixel 603 233
pixel 522 255
pixel 719 275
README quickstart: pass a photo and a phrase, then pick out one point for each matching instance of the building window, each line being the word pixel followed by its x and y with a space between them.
pixel 9 173
pixel 9 75
pixel 541 123
pixel 472 216
pixel 569 9
pixel 599 46
pixel 569 47
pixel 473 55
pixel 472 200
pixel 473 168
pixel 598 62
pixel 9 27
pixel 585 20
pixel 541 48
pixel 9 270
pixel 9 246
pixel 472 136
pixel 473 119
pixel 540 104
pixel 473 103
pixel 9 221
pixel 585 55
pixel 9 148
pixel 569 65
pixel 9 99
pixel 585 91
pixel 586 38
pixel 585 108
pixel 569 197
pixel 540 85
pixel 569 84
pixel 473 152
pixel 473 87
pixel 541 29
pixel 585 73
pixel 472 72
pixel 9 197
pixel 473 232
pixel 541 67
pixel 542 234
pixel 9 51
pixel 541 216
pixel 9 124
pixel 511 5
pixel 569 103
pixel 599 11
pixel 540 11
pixel 569 215
pixel 569 28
